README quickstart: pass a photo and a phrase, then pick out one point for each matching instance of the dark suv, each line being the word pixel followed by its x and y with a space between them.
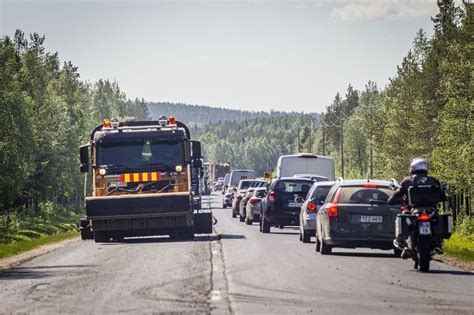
pixel 282 205
pixel 356 214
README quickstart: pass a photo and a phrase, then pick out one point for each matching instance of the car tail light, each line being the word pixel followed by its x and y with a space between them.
pixel 271 196
pixel 424 217
pixel 254 200
pixel 311 207
pixel 333 209
pixel 369 185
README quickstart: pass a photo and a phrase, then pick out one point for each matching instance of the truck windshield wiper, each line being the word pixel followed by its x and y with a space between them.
pixel 170 168
pixel 120 165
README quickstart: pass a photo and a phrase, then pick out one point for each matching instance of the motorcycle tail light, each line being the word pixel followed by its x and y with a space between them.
pixel 424 217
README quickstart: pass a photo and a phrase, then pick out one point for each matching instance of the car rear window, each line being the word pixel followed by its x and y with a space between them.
pixel 321 192
pixel 293 186
pixel 364 195
pixel 260 193
pixel 245 185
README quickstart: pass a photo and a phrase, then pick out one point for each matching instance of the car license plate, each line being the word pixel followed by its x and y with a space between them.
pixel 425 228
pixel 370 219
pixel 294 204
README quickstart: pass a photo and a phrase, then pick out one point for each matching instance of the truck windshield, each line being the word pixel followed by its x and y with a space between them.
pixel 147 154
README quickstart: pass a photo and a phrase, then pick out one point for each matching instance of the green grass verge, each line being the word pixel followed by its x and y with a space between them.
pixel 17 247
pixel 461 247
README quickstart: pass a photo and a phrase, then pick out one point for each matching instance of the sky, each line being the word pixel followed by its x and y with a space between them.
pixel 250 55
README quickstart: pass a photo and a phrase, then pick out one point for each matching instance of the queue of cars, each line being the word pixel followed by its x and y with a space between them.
pixel 337 213
pixel 342 213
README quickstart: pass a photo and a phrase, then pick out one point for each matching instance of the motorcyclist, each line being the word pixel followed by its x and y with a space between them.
pixel 419 176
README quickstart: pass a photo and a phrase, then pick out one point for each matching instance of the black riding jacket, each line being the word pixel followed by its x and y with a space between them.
pixel 414 180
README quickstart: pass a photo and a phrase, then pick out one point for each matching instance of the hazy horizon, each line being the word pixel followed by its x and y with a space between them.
pixel 281 55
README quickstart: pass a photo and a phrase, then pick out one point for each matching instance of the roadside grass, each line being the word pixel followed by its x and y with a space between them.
pixel 17 247
pixel 23 231
pixel 461 243
pixel 461 247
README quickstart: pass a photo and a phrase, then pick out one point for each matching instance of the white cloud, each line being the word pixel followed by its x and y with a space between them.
pixel 257 63
pixel 380 9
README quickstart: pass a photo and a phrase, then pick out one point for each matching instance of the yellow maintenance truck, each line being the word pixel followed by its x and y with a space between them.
pixel 145 181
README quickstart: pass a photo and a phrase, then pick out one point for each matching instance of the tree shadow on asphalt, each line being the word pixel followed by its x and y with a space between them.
pixel 40 272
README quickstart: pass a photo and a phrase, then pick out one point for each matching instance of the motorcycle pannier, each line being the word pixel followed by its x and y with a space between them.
pixel 442 226
pixel 402 223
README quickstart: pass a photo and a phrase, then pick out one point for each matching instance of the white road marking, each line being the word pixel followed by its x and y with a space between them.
pixel 216 295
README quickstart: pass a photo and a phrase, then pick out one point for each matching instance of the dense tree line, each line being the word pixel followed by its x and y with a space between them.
pixel 425 110
pixel 198 115
pixel 258 142
pixel 46 113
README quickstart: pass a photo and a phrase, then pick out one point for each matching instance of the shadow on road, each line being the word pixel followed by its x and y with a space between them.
pixel 369 255
pixel 452 272
pixel 284 233
pixel 160 239
pixel 41 272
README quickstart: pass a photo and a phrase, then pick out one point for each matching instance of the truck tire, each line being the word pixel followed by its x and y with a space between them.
pixel 187 234
pixel 87 234
pixel 101 237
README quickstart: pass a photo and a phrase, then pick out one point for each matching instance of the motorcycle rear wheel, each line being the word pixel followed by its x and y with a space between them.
pixel 424 247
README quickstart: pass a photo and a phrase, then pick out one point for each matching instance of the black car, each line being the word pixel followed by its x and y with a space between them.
pixel 356 214
pixel 282 205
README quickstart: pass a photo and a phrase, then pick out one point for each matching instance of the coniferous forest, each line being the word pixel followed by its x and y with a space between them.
pixel 47 112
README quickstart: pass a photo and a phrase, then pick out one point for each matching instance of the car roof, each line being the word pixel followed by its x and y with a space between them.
pixel 325 183
pixel 295 178
pixel 359 182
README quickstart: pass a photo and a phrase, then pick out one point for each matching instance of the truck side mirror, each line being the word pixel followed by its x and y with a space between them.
pixel 84 158
pixel 84 168
pixel 196 149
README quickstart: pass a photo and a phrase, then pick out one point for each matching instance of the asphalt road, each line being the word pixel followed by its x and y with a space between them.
pixel 235 270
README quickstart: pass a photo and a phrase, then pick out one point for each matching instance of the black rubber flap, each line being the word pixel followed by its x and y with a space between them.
pixel 122 205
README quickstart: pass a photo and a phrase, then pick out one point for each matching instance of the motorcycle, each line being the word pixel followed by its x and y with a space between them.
pixel 420 232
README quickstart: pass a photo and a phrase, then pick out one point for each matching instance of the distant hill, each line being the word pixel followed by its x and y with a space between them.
pixel 198 115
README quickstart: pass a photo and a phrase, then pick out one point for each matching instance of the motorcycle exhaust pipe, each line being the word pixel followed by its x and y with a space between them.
pixel 396 245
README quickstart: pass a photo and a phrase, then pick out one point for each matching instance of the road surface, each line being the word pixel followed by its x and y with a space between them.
pixel 235 270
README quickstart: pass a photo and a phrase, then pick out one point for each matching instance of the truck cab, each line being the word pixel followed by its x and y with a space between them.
pixel 145 181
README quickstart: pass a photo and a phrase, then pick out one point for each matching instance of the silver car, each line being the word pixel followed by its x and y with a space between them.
pixel 314 200
pixel 254 205
pixel 243 203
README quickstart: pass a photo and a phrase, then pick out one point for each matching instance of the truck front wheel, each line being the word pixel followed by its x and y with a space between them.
pixel 187 234
pixel 101 237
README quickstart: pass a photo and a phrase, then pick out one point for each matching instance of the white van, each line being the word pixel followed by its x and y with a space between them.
pixel 305 163
pixel 237 175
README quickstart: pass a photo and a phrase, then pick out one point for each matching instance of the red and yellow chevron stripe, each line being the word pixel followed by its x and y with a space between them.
pixel 140 177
